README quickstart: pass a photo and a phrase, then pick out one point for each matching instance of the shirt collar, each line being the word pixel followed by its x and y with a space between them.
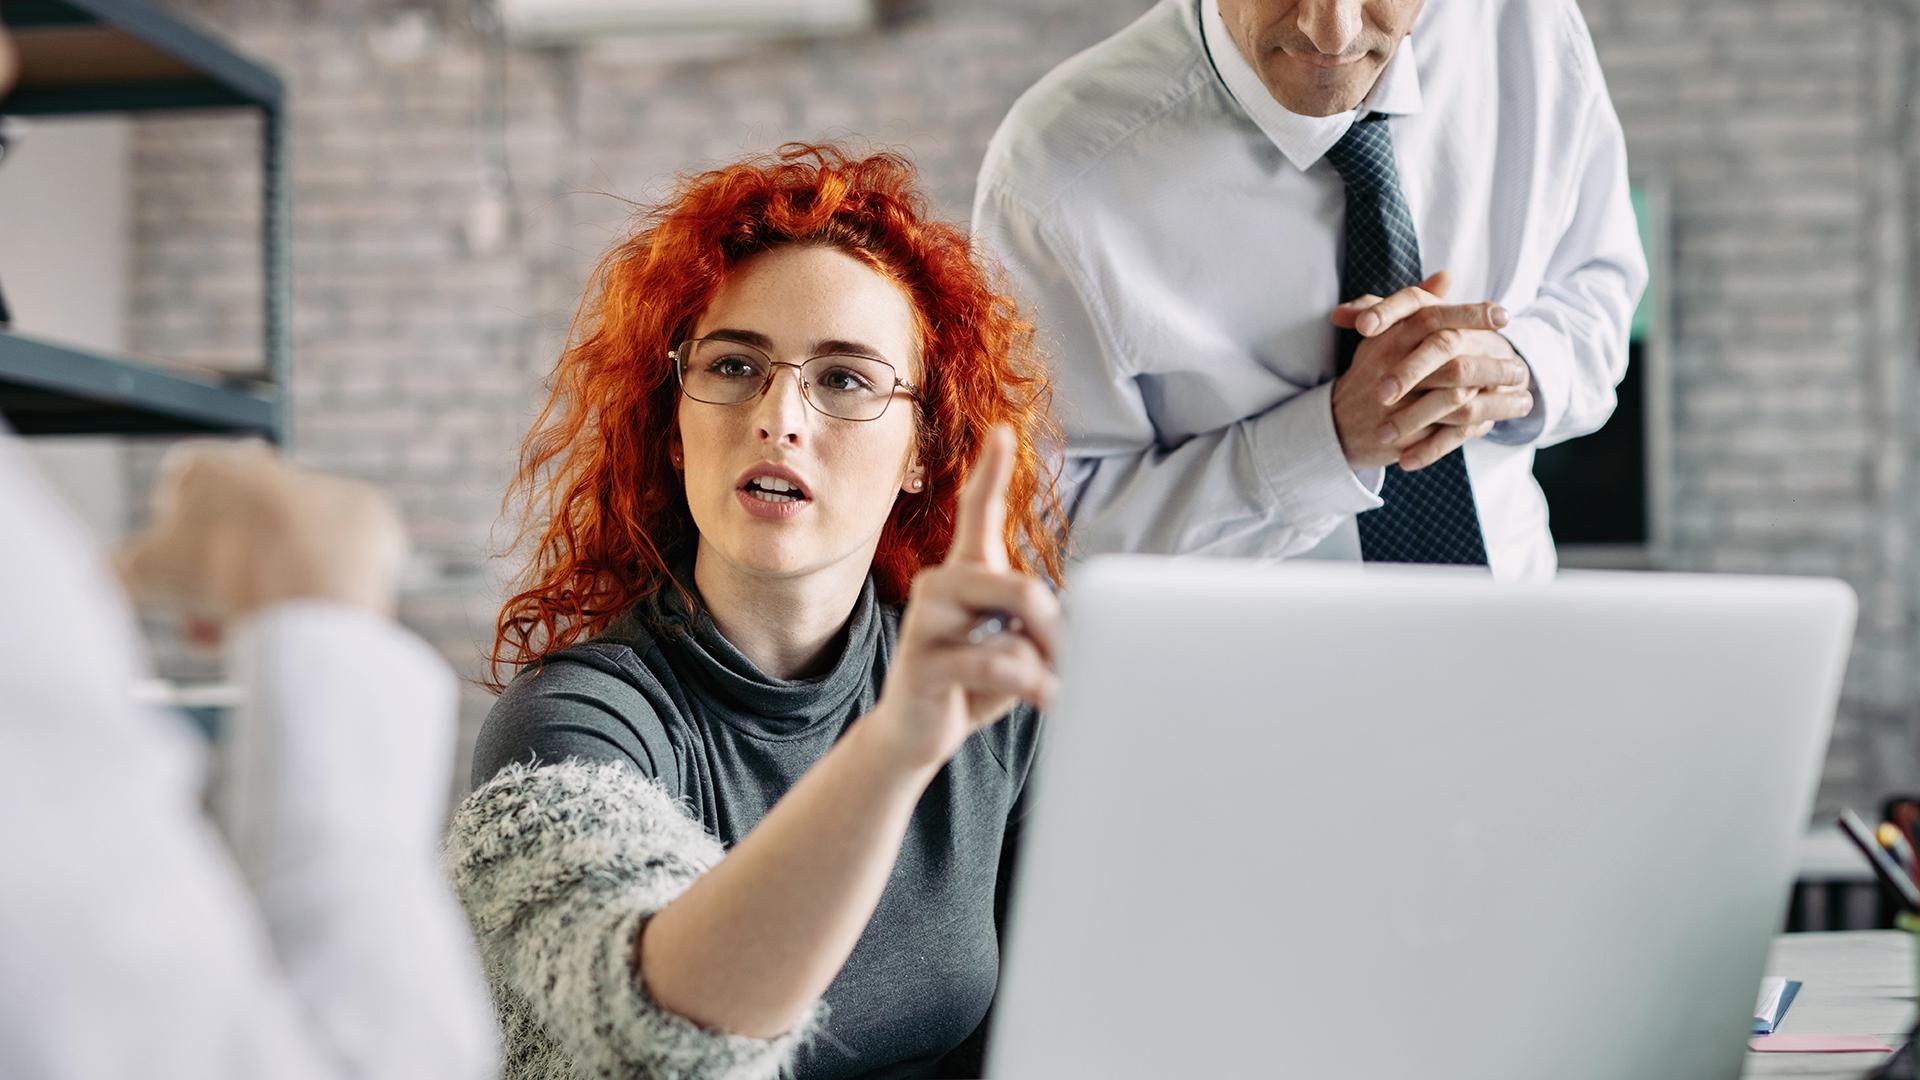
pixel 1304 139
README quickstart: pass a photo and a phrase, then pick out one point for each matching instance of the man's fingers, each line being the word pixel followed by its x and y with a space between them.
pixel 980 524
pixel 1491 406
pixel 1431 291
pixel 1442 343
pixel 1345 315
pixel 1420 411
pixel 1472 420
pixel 1378 318
pixel 1456 407
pixel 1477 372
pixel 1422 361
pixel 1436 317
pixel 1445 440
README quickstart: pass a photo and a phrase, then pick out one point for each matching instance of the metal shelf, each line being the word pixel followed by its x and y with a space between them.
pixel 126 56
pixel 80 56
pixel 49 389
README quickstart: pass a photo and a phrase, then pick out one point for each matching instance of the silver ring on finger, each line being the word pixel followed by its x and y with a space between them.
pixel 992 624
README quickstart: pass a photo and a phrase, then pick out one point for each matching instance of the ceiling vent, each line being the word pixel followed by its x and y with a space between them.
pixel 565 22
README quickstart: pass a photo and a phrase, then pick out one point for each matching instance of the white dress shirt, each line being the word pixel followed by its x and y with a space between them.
pixel 134 944
pixel 1178 237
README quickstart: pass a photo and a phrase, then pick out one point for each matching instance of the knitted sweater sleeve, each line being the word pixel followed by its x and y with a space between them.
pixel 559 867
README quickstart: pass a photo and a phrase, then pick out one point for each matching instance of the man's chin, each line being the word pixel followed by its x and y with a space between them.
pixel 1319 92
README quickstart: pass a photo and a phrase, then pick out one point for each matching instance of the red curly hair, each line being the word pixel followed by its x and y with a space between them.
pixel 604 512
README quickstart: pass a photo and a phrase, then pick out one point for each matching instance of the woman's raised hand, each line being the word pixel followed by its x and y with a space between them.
pixel 942 685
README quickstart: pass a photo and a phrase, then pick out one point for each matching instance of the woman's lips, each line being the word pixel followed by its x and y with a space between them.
pixel 771 475
pixel 770 509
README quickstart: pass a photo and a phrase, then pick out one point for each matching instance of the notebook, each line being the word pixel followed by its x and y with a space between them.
pixel 1775 995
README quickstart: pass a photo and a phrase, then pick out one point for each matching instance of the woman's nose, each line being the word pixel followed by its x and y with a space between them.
pixel 781 412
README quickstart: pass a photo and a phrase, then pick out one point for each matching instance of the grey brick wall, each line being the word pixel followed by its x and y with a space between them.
pixel 1785 130
pixel 1787 133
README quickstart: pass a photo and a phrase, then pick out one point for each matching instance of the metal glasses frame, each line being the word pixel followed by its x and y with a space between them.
pixel 678 355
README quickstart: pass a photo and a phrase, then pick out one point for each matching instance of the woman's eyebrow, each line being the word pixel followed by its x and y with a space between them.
pixel 838 347
pixel 828 347
pixel 744 337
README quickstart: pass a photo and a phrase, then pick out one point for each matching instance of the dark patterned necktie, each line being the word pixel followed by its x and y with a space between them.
pixel 1429 516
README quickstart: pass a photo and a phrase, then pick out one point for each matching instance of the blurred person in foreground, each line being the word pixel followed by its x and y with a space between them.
pixel 745 809
pixel 323 942
pixel 133 942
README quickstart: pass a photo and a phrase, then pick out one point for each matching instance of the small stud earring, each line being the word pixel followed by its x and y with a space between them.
pixel 918 483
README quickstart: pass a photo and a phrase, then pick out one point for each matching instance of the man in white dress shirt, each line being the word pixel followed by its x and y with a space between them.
pixel 320 939
pixel 1204 211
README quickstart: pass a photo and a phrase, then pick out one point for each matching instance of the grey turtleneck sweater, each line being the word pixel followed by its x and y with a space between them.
pixel 664 695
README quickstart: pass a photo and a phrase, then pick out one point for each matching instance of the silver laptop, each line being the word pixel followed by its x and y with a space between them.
pixel 1321 821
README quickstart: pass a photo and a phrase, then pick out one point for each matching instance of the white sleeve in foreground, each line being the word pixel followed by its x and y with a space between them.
pixel 132 946
pixel 335 783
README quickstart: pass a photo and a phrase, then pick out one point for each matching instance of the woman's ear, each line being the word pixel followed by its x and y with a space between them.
pixel 915 481
pixel 675 452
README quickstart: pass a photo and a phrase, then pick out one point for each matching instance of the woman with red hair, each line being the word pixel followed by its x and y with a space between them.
pixel 781 640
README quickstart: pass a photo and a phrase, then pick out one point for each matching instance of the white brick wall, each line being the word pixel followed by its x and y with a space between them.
pixel 1786 130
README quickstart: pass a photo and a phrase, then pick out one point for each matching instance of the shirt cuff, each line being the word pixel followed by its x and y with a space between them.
pixel 1544 350
pixel 1307 474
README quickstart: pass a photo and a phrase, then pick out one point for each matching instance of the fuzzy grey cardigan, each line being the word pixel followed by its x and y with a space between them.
pixel 559 867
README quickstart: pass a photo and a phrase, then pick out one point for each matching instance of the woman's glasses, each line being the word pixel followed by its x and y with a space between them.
pixel 722 372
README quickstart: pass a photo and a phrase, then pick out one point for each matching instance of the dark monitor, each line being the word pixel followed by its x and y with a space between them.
pixel 1596 486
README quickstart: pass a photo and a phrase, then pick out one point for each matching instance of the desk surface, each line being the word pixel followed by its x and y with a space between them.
pixel 1856 983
